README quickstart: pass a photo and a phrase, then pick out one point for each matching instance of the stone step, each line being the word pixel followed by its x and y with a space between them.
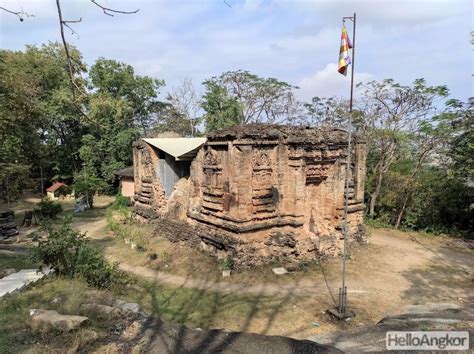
pixel 212 206
pixel 16 281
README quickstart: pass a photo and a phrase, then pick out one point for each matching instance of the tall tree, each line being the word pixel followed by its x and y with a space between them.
pixel 38 123
pixel 122 107
pixel 259 99
pixel 430 137
pixel 221 109
pixel 118 81
pixel 390 111
pixel 186 103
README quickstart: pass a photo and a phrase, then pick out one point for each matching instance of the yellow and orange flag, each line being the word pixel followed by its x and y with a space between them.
pixel 344 56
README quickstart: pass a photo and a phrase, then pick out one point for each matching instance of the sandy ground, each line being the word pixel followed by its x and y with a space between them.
pixel 396 270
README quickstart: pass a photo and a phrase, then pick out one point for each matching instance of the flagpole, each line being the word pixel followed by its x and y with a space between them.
pixel 353 64
pixel 341 311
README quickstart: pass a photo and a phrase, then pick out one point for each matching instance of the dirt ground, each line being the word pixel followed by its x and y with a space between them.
pixel 393 272
pixel 396 270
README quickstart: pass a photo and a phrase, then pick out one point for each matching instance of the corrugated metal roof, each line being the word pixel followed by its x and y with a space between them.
pixel 179 148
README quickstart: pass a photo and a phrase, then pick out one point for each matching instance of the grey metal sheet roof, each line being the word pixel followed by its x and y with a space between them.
pixel 179 148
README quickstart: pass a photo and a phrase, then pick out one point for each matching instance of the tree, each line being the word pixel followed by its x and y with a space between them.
pixel 430 137
pixel 391 110
pixel 113 79
pixel 121 106
pixel 259 99
pixel 169 120
pixel 185 102
pixel 87 184
pixel 222 110
pixel 461 148
pixel 39 127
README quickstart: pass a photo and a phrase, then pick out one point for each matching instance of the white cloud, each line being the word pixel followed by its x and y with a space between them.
pixel 382 12
pixel 289 40
pixel 328 82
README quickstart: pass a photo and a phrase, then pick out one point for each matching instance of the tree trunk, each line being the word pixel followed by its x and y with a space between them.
pixel 90 200
pixel 374 195
pixel 410 183
pixel 400 214
pixel 8 193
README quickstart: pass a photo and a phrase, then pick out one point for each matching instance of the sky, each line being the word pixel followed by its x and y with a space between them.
pixel 295 41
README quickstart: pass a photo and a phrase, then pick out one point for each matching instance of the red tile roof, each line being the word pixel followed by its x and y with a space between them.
pixel 55 187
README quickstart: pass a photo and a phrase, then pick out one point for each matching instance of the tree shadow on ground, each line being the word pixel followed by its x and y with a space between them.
pixel 170 308
pixel 173 337
pixel 447 277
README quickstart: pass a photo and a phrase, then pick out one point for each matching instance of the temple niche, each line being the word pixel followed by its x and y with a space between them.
pixel 259 193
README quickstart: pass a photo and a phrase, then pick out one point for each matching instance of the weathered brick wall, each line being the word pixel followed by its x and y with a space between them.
pixel 149 195
pixel 279 191
pixel 276 191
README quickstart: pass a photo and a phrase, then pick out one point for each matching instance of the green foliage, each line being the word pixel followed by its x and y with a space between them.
pixel 39 125
pixel 121 201
pixel 441 204
pixel 47 209
pixel 136 95
pixel 327 111
pixel 86 184
pixel 71 254
pixel 45 131
pixel 460 115
pixel 221 109
pixel 240 97
pixel 228 263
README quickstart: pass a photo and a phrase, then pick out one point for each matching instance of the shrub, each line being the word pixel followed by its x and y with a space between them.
pixel 121 201
pixel 47 209
pixel 71 254
pixel 228 263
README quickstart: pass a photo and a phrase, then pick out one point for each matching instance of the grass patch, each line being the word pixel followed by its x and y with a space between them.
pixel 15 333
pixel 16 261
pixel 210 309
pixel 86 214
pixel 191 307
pixel 153 250
pixel 157 253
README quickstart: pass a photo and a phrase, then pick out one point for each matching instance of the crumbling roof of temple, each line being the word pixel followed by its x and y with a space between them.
pixel 180 148
pixel 125 172
pixel 288 133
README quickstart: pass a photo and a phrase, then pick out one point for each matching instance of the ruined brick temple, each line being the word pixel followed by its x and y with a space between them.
pixel 261 192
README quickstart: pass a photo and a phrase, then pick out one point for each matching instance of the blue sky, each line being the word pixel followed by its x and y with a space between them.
pixel 295 41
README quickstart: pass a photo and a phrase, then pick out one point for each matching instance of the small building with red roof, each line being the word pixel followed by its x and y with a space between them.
pixel 55 190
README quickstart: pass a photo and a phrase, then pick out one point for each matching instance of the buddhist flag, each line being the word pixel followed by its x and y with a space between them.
pixel 344 57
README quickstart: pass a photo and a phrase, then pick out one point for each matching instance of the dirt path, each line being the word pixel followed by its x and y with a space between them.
pixel 93 227
pixel 397 269
pixel 291 288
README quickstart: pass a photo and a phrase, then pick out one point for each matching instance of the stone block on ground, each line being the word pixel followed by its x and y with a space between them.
pixel 17 281
pixel 279 271
pixel 226 273
pixel 102 311
pixel 128 307
pixel 46 320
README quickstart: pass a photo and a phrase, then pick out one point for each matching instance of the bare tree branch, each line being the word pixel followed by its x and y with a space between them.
pixel 110 12
pixel 62 24
pixel 66 24
pixel 20 14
